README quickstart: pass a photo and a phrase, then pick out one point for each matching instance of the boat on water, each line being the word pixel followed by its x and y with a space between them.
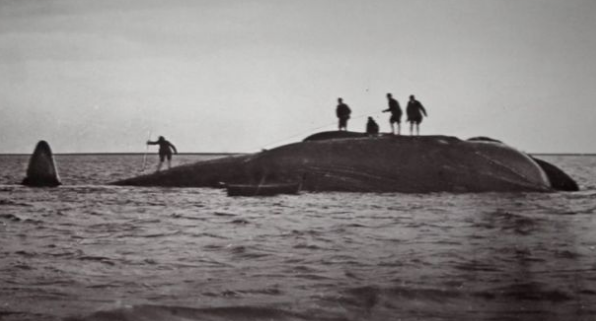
pixel 262 189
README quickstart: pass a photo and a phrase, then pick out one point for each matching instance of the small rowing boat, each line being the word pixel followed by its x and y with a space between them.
pixel 262 189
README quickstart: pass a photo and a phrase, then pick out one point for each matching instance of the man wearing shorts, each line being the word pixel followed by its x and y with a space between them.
pixel 415 110
pixel 395 110
pixel 165 151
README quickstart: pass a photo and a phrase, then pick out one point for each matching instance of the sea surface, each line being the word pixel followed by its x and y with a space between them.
pixel 91 251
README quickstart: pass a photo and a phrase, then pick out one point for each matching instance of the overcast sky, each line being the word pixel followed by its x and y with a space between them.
pixel 238 76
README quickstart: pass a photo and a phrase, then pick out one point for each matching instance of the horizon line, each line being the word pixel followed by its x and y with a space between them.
pixel 124 153
pixel 243 153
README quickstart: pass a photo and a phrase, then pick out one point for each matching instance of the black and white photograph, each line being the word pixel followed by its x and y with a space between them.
pixel 312 160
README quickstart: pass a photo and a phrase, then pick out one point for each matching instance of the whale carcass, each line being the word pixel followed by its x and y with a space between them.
pixel 354 162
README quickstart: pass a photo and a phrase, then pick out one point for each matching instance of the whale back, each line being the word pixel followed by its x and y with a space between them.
pixel 354 162
pixel 42 168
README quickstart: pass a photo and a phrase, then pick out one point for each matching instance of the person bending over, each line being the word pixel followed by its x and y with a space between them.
pixel 165 151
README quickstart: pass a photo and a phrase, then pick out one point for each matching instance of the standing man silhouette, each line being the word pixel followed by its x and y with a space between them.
pixel 396 113
pixel 415 110
pixel 165 151
pixel 343 114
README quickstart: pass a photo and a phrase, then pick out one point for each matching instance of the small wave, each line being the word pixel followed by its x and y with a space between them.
pixel 18 315
pixel 156 235
pixel 22 266
pixel 177 215
pixel 101 259
pixel 355 225
pixel 529 291
pixel 307 246
pixel 113 227
pixel 214 247
pixel 222 294
pixel 302 269
pixel 267 291
pixel 159 313
pixel 34 222
pixel 475 266
pixel 240 221
pixel 305 233
pixel 26 253
pixel 368 295
pixel 588 292
pixel 244 252
pixel 352 275
pixel 449 242
pixel 211 235
pixel 511 222
pixel 5 202
pixel 589 210
pixel 565 254
pixel 224 214
pixel 237 249
pixel 10 217
pixel 312 277
pixel 440 295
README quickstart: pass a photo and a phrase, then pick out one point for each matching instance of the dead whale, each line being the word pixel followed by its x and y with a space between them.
pixel 41 171
pixel 354 162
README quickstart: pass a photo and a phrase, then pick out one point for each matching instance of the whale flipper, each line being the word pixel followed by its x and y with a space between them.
pixel 41 171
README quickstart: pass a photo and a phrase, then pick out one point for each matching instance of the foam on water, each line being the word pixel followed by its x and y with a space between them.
pixel 94 252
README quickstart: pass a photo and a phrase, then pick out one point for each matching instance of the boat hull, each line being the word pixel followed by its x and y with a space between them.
pixel 262 190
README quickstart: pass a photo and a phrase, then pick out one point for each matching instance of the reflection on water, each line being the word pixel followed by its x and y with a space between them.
pixel 195 254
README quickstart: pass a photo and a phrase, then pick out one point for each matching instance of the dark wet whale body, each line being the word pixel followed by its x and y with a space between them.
pixel 353 162
pixel 42 171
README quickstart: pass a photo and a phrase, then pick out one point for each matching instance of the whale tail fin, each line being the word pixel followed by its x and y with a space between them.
pixel 42 168
pixel 558 179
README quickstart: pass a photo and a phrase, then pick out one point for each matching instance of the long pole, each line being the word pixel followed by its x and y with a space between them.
pixel 146 151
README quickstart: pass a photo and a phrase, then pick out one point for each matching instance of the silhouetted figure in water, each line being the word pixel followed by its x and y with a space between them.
pixel 343 114
pixel 415 110
pixel 372 128
pixel 165 151
pixel 396 113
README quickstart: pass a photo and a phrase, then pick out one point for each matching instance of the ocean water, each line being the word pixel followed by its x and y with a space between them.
pixel 90 251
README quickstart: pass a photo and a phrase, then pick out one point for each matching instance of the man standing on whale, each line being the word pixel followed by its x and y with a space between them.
pixel 415 110
pixel 395 114
pixel 343 114
pixel 165 151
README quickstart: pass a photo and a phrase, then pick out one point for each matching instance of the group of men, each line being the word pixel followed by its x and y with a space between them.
pixel 414 111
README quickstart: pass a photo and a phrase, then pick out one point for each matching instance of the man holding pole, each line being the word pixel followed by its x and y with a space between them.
pixel 395 111
pixel 165 151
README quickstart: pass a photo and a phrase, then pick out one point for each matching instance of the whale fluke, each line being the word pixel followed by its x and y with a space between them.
pixel 559 180
pixel 42 169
